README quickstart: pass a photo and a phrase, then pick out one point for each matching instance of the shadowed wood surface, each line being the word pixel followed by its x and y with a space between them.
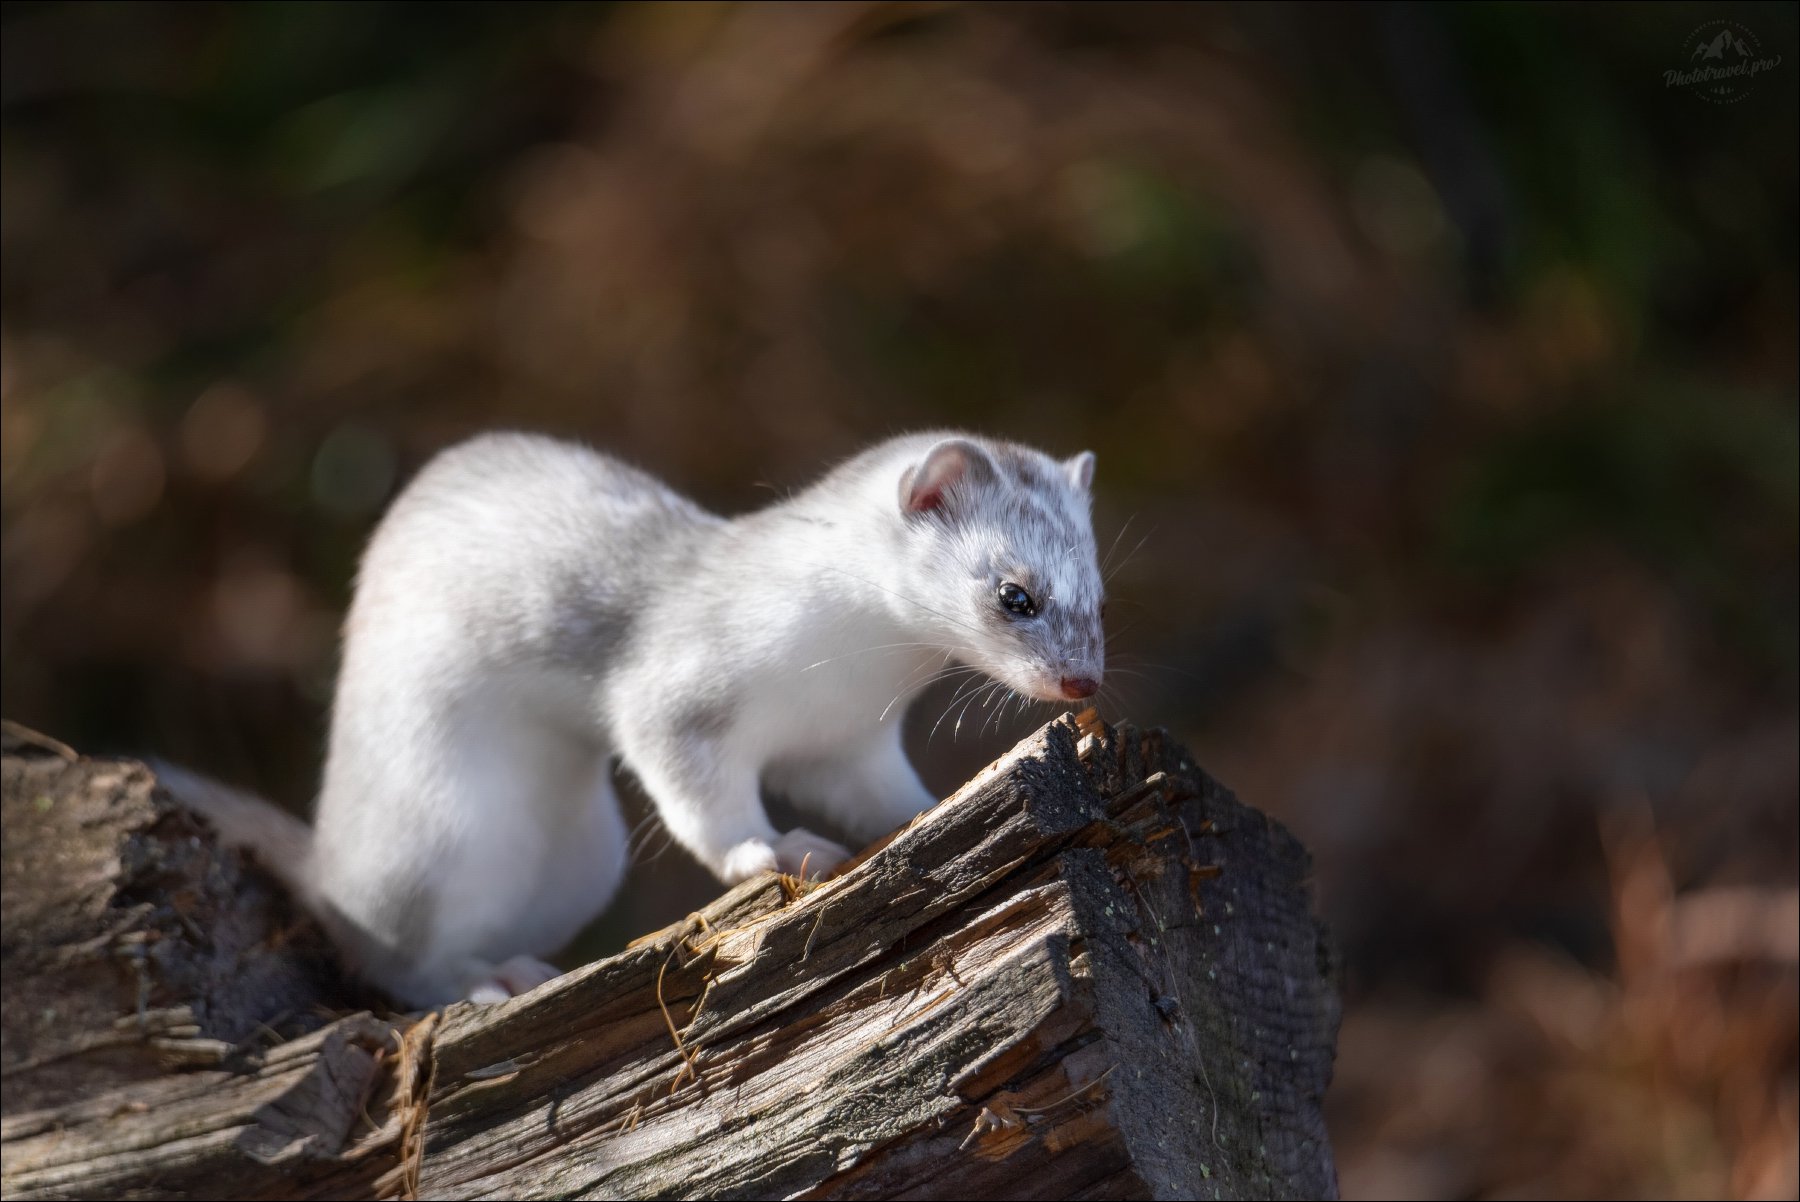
pixel 1090 973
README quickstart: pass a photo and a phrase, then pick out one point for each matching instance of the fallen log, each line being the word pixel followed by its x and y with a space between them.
pixel 1089 973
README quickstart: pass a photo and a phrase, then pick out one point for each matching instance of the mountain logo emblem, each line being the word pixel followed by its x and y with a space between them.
pixel 1726 42
pixel 1722 61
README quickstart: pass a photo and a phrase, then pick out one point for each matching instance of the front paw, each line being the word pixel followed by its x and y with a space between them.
pixel 792 853
pixel 801 852
pixel 749 858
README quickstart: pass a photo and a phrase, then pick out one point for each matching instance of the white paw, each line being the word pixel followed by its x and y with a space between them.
pixel 488 992
pixel 801 851
pixel 747 859
pixel 521 974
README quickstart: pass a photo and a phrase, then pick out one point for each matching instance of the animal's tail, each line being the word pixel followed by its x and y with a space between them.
pixel 280 842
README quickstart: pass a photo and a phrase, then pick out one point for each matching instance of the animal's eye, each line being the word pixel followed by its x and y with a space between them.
pixel 1016 600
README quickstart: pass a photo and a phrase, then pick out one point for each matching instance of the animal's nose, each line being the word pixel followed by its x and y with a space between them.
pixel 1077 687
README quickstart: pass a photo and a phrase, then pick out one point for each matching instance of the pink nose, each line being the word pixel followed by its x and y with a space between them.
pixel 1077 687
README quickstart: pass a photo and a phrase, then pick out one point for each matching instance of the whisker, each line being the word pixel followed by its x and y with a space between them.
pixel 663 850
pixel 1115 542
pixel 1107 574
pixel 1138 663
pixel 648 828
pixel 983 693
pixel 927 670
pixel 1116 698
pixel 999 712
pixel 1118 633
pixel 966 686
pixel 956 727
pixel 910 601
pixel 879 647
pixel 907 689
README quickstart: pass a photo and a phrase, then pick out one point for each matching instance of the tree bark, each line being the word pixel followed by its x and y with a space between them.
pixel 1090 973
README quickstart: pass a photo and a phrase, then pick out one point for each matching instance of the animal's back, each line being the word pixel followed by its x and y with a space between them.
pixel 494 594
pixel 523 545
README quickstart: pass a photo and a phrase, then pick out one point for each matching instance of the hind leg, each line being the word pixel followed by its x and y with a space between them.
pixel 580 871
pixel 583 865
pixel 518 846
pixel 521 974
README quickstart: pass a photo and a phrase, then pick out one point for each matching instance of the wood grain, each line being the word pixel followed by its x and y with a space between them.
pixel 1089 973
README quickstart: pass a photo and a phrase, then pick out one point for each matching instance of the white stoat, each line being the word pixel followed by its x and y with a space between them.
pixel 531 610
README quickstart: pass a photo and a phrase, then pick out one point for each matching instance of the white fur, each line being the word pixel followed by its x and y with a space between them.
pixel 530 611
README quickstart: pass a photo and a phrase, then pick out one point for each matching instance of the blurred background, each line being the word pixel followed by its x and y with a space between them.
pixel 1440 362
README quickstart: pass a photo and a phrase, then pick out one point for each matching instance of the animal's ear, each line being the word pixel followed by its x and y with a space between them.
pixel 1080 470
pixel 929 483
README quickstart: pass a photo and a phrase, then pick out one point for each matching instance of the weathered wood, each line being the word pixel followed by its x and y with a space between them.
pixel 1090 973
pixel 129 939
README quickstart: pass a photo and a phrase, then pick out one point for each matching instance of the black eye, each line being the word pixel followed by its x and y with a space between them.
pixel 1016 600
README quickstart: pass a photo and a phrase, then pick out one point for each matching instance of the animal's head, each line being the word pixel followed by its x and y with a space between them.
pixel 1002 539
